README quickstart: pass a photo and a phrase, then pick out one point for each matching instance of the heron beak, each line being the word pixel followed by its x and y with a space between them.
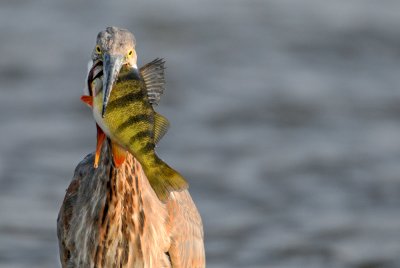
pixel 111 66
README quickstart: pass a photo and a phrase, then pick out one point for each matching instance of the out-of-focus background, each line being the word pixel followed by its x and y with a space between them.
pixel 285 120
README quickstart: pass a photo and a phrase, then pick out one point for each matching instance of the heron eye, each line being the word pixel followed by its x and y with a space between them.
pixel 130 53
pixel 98 49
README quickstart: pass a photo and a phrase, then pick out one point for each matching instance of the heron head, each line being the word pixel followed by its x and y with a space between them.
pixel 115 47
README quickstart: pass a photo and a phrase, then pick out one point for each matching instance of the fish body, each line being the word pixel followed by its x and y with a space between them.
pixel 132 124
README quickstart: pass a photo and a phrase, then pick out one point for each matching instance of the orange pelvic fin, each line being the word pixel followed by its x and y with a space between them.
pixel 88 100
pixel 119 154
pixel 100 139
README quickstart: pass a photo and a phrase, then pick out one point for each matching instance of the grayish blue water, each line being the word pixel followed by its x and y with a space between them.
pixel 285 119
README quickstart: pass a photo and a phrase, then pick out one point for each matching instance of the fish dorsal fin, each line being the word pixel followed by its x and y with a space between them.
pixel 154 78
pixel 161 126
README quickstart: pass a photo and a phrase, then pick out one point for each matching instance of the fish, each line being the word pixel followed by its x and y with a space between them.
pixel 131 123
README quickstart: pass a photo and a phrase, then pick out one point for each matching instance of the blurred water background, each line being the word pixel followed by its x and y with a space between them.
pixel 285 120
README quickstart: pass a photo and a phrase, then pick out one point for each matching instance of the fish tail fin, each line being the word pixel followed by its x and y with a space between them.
pixel 164 179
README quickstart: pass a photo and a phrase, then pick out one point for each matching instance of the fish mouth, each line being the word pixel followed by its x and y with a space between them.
pixel 93 76
pixel 111 67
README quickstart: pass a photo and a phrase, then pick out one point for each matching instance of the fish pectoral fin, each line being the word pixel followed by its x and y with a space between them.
pixel 119 154
pixel 161 125
pixel 88 100
pixel 100 139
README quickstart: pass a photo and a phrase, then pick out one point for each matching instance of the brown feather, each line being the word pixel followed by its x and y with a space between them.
pixel 113 218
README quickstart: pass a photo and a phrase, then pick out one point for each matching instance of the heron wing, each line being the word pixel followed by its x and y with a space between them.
pixel 186 232
pixel 154 78
pixel 64 219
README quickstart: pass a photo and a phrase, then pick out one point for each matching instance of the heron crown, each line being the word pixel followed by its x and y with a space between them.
pixel 115 41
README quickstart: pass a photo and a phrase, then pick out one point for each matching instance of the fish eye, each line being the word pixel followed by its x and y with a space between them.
pixel 98 49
